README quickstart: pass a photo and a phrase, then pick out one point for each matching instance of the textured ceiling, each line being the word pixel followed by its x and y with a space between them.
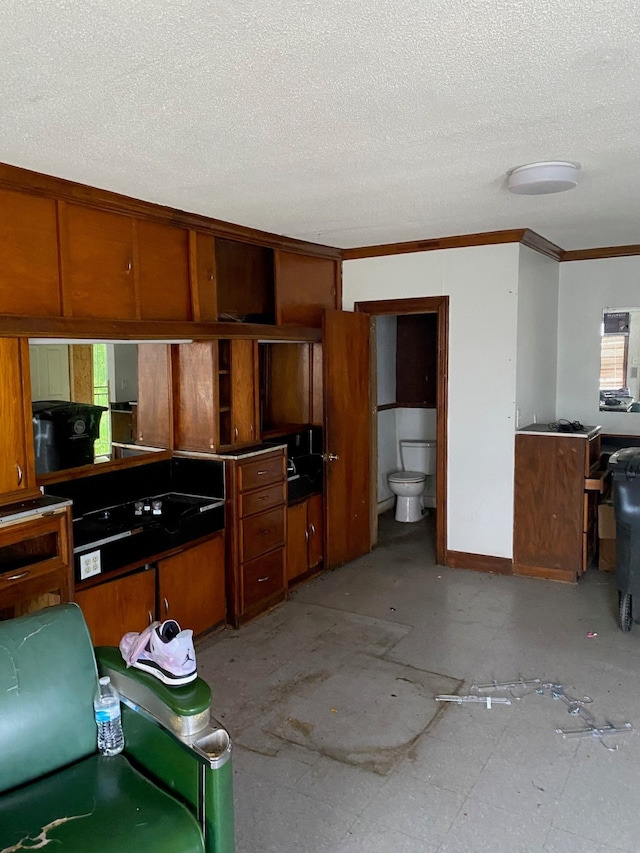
pixel 345 123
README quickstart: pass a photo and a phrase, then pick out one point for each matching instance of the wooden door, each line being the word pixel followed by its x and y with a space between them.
pixel 305 286
pixel 315 526
pixel 195 370
pixel 113 608
pixel 163 271
pixel 297 535
pixel 244 416
pixel 50 372
pixel 29 273
pixel 154 423
pixel 191 586
pixel 347 435
pixel 97 248
pixel 17 463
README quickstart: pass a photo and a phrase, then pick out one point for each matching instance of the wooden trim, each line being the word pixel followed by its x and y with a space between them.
pixel 440 306
pixel 386 406
pixel 541 244
pixel 24 180
pixel 485 238
pixel 601 252
pixel 90 328
pixel 479 562
pixel 545 573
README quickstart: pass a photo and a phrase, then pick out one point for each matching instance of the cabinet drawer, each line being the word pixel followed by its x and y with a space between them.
pixel 252 502
pixel 262 533
pixel 261 472
pixel 262 577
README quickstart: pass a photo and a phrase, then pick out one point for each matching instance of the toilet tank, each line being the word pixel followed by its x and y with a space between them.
pixel 418 455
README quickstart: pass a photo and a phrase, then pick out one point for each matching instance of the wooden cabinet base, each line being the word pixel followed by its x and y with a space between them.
pixel 115 607
pixel 544 573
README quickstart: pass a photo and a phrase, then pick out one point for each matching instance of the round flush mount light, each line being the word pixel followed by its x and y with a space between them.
pixel 554 176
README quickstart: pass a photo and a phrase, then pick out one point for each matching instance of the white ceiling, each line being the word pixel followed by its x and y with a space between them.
pixel 345 123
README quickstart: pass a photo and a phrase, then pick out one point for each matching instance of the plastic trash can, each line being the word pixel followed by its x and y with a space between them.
pixel 64 433
pixel 625 467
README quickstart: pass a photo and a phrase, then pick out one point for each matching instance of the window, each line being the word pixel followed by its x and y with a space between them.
pixel 613 362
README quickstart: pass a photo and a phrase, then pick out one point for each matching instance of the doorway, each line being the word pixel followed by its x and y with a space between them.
pixel 438 307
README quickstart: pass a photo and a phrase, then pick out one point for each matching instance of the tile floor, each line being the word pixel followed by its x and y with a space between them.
pixel 341 748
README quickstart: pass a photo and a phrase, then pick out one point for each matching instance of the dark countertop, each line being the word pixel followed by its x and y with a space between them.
pixel 31 508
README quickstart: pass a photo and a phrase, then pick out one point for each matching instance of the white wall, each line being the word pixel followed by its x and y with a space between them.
pixel 386 347
pixel 587 288
pixel 387 454
pixel 536 365
pixel 481 282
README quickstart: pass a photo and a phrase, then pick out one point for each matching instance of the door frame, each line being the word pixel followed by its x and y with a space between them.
pixel 420 305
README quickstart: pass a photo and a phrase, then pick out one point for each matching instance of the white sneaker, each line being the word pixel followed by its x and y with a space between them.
pixel 163 650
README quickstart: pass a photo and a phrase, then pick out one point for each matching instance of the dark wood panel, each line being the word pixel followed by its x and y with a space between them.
pixel 287 384
pixel 548 503
pixel 347 435
pixel 98 263
pixel 15 178
pixel 265 469
pixel 163 271
pixel 203 276
pixel 29 273
pixel 263 532
pixel 317 383
pixel 263 499
pixel 245 282
pixel 244 392
pixel 479 562
pixel 17 461
pixel 417 360
pixel 305 286
pixel 195 396
pixel 113 608
pixel 191 586
pixel 315 520
pixel 155 401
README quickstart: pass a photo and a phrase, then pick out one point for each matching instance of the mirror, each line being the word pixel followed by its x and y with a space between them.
pixel 101 380
pixel 620 360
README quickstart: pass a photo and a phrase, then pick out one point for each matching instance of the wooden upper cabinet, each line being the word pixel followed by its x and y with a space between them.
pixel 305 286
pixel 29 273
pixel 244 391
pixel 163 271
pixel 17 463
pixel 195 371
pixel 244 281
pixel 154 420
pixel 417 345
pixel 203 276
pixel 97 250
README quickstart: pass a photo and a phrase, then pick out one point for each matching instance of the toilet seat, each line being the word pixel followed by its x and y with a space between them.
pixel 406 477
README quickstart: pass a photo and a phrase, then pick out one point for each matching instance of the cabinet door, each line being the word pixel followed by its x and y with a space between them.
pixel 305 286
pixel 316 530
pixel 154 420
pixel 244 391
pixel 195 394
pixel 297 536
pixel 17 464
pixel 203 276
pixel 113 608
pixel 97 249
pixel 29 273
pixel 191 586
pixel 163 271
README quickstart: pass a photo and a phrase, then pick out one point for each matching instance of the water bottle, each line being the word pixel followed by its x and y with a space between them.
pixel 106 705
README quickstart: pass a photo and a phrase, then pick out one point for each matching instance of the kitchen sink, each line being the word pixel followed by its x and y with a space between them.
pixel 137 530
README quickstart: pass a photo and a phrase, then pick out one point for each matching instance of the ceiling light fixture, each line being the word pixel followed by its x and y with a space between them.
pixel 553 176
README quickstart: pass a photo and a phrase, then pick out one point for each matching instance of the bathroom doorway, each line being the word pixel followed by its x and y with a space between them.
pixel 418 375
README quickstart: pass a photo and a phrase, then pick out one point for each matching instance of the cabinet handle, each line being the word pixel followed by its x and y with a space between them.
pixel 129 266
pixel 210 274
pixel 166 605
pixel 19 576
pixel 313 530
pixel 251 428
pixel 330 457
pixel 306 535
pixel 140 437
pixel 262 580
pixel 261 473
pixel 263 497
pixel 150 615
pixel 19 467
pixel 235 432
pixel 265 532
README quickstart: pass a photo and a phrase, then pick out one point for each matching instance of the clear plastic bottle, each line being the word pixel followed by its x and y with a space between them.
pixel 106 705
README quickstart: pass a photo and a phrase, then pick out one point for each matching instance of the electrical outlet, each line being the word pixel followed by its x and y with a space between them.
pixel 90 564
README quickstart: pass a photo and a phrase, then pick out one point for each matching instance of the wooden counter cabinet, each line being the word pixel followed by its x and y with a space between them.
pixel 114 607
pixel 557 483
pixel 304 537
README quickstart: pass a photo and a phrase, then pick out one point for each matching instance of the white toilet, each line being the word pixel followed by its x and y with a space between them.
pixel 415 485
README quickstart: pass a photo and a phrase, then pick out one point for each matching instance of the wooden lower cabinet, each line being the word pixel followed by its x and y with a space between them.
pixel 191 586
pixel 304 537
pixel 115 607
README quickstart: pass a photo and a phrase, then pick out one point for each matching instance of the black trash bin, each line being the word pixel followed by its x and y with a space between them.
pixel 64 434
pixel 625 467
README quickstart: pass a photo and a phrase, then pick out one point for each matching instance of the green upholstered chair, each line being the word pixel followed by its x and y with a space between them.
pixel 170 791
